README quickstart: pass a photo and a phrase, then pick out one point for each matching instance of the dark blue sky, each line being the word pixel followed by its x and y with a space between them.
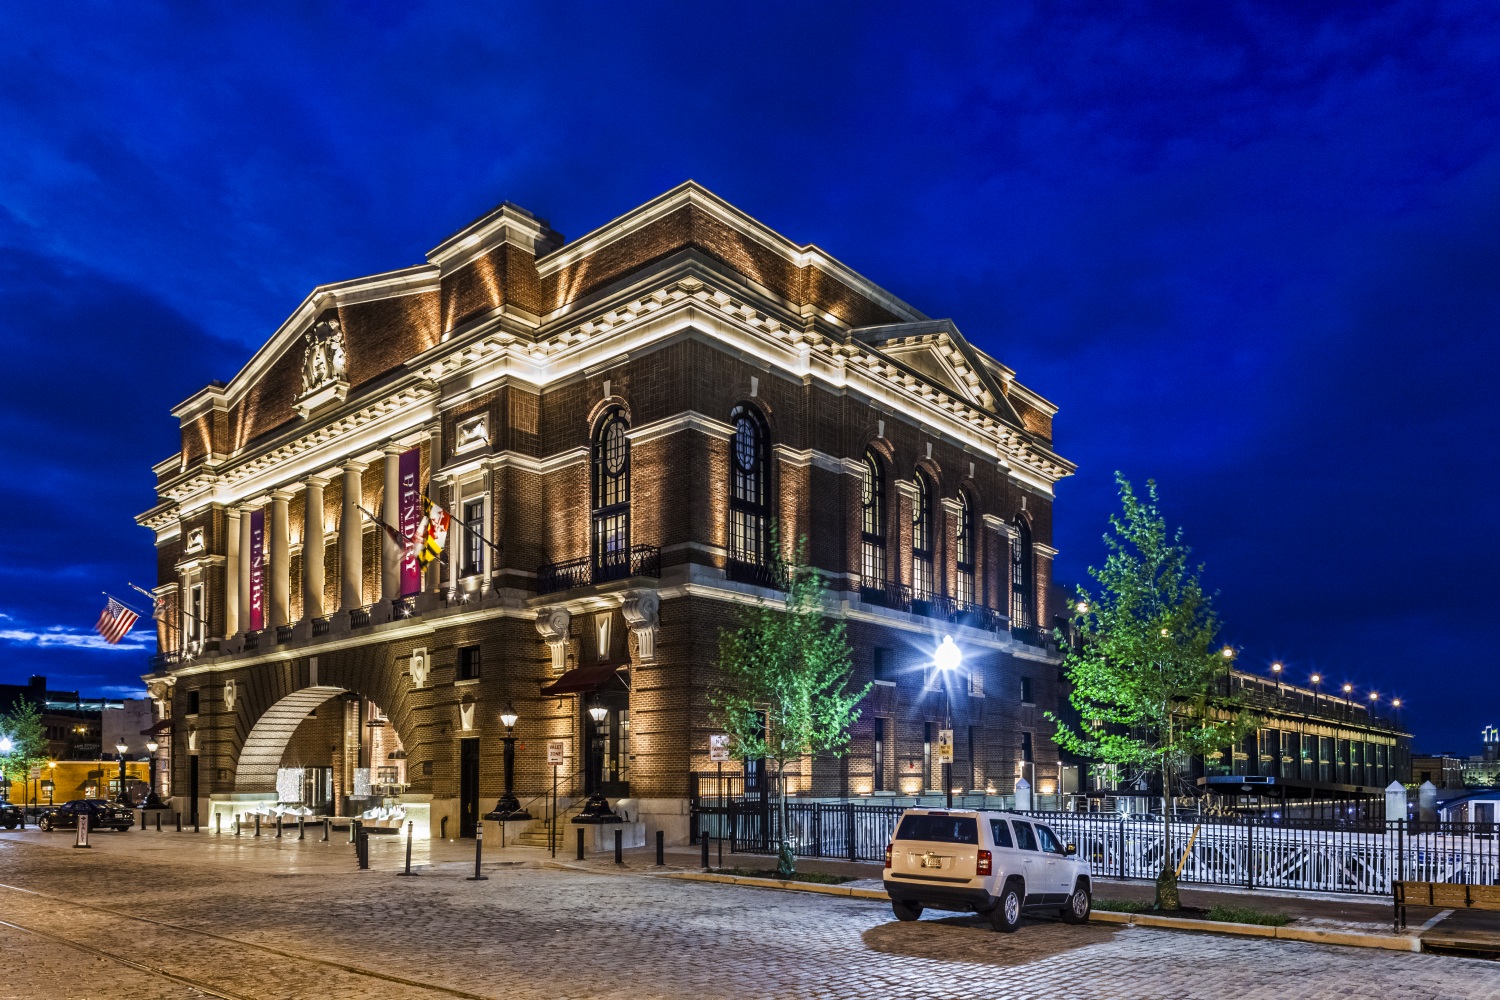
pixel 1251 250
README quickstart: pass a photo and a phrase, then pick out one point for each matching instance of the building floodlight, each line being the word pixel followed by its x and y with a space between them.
pixel 948 656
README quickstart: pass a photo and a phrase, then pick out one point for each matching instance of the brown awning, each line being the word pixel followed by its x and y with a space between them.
pixel 161 727
pixel 581 679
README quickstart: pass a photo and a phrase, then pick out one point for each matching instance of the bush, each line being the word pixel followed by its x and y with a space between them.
pixel 1124 905
pixel 1244 915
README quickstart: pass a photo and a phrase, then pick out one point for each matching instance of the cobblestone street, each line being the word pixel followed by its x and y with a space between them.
pixel 286 919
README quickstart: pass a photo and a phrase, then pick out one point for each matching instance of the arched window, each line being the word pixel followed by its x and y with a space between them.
pixel 922 539
pixel 872 525
pixel 749 510
pixel 1022 599
pixel 964 540
pixel 610 528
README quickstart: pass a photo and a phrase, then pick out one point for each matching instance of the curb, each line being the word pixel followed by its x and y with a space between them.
pixel 1308 935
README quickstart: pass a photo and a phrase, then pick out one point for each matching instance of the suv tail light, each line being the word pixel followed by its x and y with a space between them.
pixel 986 866
pixel 887 855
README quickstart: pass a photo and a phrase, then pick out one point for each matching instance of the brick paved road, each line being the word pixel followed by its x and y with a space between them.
pixel 537 932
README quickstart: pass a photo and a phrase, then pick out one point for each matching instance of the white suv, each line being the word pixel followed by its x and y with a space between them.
pixel 992 863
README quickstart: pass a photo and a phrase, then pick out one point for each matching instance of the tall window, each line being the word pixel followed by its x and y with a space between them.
pixel 473 550
pixel 1022 600
pixel 921 539
pixel 611 496
pixel 749 513
pixel 879 762
pixel 195 629
pixel 872 523
pixel 964 539
pixel 468 663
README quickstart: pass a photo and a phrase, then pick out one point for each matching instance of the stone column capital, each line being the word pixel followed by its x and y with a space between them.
pixel 354 465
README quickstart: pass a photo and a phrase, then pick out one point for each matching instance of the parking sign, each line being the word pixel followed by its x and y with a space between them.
pixel 945 746
pixel 555 751
pixel 718 747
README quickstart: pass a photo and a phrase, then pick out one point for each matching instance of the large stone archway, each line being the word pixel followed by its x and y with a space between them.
pixel 261 754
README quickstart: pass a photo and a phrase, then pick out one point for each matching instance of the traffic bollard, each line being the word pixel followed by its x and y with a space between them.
pixel 257 824
pixel 703 843
pixel 278 827
pixel 580 843
pixel 83 831
pixel 218 826
pixel 178 817
pixel 327 829
pixel 158 822
pixel 661 848
pixel 408 870
pixel 301 831
pixel 619 846
pixel 478 854
pixel 195 820
pixel 236 824
pixel 143 819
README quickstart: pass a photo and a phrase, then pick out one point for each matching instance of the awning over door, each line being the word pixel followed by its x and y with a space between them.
pixel 583 679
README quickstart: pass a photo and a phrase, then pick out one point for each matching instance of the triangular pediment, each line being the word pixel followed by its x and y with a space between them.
pixel 935 351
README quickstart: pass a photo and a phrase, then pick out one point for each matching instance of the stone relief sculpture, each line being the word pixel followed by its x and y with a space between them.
pixel 418 666
pixel 231 692
pixel 323 360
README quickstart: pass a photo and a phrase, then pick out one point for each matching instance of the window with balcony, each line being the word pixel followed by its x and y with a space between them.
pixel 964 540
pixel 922 539
pixel 749 510
pixel 1022 593
pixel 473 542
pixel 610 527
pixel 872 524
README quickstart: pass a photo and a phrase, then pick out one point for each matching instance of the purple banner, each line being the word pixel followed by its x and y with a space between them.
pixel 257 557
pixel 409 516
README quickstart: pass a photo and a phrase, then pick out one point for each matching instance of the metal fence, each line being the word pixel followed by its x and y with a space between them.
pixel 1361 860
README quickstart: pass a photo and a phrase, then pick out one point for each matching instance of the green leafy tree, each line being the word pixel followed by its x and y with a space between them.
pixel 1147 679
pixel 783 686
pixel 22 727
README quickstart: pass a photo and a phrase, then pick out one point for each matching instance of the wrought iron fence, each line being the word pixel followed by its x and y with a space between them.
pixel 319 627
pixel 284 634
pixel 638 560
pixel 360 617
pixel 1249 853
pixel 252 641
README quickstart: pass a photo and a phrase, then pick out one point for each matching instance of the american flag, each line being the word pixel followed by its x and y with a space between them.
pixel 114 621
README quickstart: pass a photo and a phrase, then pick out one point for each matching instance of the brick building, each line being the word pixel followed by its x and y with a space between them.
pixel 616 424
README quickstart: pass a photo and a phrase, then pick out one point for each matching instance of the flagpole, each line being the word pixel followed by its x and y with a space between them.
pixel 479 534
pixel 112 597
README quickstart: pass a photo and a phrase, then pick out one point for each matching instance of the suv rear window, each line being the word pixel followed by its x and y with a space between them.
pixel 1001 831
pixel 943 829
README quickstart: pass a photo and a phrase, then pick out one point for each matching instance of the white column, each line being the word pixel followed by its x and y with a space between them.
pixel 244 568
pixel 312 549
pixel 231 571
pixel 487 554
pixel 390 511
pixel 351 539
pixel 456 540
pixel 281 577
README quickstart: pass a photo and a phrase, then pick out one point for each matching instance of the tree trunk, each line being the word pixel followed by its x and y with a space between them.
pixel 786 861
pixel 1166 881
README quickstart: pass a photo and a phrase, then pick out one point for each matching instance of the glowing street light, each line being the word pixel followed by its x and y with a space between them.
pixel 948 656
pixel 509 807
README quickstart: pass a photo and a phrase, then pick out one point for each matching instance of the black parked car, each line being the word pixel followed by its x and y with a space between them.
pixel 102 815
pixel 10 816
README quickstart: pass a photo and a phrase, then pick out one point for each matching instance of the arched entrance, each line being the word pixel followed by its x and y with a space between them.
pixel 261 755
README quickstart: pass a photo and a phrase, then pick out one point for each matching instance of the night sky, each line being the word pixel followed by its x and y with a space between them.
pixel 1251 250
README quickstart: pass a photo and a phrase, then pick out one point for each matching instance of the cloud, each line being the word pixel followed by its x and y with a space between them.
pixel 70 638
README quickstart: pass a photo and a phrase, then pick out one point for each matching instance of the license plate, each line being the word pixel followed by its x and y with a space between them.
pixel 931 862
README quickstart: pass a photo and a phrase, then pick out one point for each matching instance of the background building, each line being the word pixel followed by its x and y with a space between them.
pixel 616 425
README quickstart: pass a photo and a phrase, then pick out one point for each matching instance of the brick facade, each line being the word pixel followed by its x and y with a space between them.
pixel 498 361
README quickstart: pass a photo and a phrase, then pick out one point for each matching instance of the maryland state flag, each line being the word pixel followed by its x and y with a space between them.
pixel 432 533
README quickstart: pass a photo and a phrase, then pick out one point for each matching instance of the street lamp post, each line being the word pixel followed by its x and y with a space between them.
pixel 153 801
pixel 509 807
pixel 122 798
pixel 6 746
pixel 596 809
pixel 1317 680
pixel 1276 669
pixel 1348 705
pixel 947 657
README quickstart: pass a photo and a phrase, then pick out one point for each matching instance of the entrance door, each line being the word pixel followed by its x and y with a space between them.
pixel 468 787
pixel 193 786
pixel 614 734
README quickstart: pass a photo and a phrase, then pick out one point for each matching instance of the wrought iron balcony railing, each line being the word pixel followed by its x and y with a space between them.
pixel 252 641
pixel 284 633
pixel 319 627
pixel 752 573
pixel 360 617
pixel 638 560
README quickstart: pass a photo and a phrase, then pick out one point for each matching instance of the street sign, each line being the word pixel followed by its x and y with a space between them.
pixel 718 747
pixel 945 746
pixel 556 751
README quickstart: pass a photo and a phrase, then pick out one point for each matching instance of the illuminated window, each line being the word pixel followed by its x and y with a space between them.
pixel 872 523
pixel 473 542
pixel 1022 600
pixel 749 512
pixel 964 540
pixel 921 539
pixel 610 531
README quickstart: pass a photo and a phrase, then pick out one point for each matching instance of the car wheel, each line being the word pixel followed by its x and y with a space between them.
pixel 45 824
pixel 1079 906
pixel 905 911
pixel 10 823
pixel 1006 916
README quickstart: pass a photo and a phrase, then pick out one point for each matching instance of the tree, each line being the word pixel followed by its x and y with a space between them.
pixel 1146 677
pixel 22 727
pixel 783 687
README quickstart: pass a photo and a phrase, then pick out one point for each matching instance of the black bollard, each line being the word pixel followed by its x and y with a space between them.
pixel 257 824
pixel 661 848
pixel 703 843
pixel 236 824
pixel 327 828
pixel 195 820
pixel 580 843
pixel 301 830
pixel 143 819
pixel 408 870
pixel 158 822
pixel 619 846
pixel 278 826
pixel 478 854
pixel 178 818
